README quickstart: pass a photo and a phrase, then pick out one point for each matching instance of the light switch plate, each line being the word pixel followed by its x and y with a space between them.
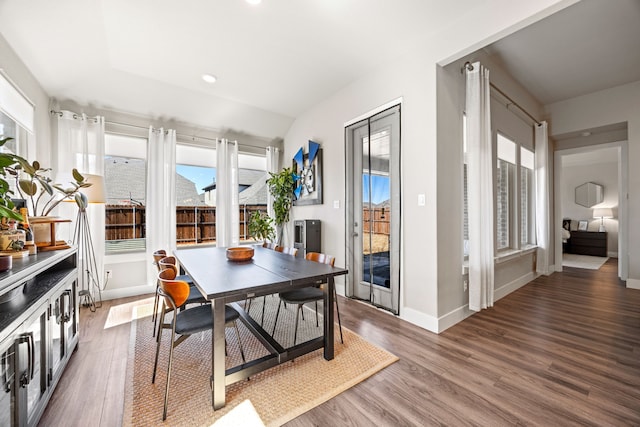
pixel 336 204
pixel 422 200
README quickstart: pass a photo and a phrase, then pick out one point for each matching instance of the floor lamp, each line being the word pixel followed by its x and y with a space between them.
pixel 88 273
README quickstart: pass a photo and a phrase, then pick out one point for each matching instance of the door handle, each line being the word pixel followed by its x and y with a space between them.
pixel 67 306
pixel 26 377
pixel 6 382
pixel 354 234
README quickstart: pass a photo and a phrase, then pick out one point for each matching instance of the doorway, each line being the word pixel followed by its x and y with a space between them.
pixel 592 163
pixel 373 209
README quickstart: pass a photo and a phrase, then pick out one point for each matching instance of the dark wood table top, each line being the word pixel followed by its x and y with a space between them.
pixel 267 272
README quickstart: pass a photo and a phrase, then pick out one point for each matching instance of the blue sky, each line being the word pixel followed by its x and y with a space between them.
pixel 200 175
pixel 379 188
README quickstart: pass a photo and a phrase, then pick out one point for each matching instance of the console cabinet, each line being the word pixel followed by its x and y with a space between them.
pixel 38 332
pixel 588 243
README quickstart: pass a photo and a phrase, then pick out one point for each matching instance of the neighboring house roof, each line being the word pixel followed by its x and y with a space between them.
pixel 252 187
pixel 125 184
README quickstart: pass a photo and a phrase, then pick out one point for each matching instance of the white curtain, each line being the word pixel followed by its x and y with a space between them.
pixel 79 144
pixel 479 188
pixel 161 195
pixel 542 197
pixel 273 166
pixel 227 209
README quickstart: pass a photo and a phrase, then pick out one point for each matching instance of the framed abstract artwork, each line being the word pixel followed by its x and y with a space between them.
pixel 307 169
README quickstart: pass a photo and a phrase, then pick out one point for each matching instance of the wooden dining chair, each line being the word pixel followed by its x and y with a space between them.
pixel 287 250
pixel 282 249
pixel 184 323
pixel 194 297
pixel 269 245
pixel 300 297
pixel 157 256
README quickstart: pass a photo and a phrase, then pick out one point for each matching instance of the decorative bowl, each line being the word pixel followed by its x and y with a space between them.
pixel 241 253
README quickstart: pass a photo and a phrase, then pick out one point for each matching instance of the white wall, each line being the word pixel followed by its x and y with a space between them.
pixel 605 174
pixel 19 74
pixel 615 105
pixel 412 77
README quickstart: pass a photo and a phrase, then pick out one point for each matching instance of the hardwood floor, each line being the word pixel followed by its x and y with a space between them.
pixel 562 350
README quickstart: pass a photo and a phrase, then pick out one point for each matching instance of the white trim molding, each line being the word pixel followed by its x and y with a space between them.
pixel 633 283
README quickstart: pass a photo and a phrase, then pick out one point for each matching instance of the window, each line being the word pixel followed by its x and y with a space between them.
pixel 515 218
pixel 196 192
pixel 465 231
pixel 125 172
pixel 527 214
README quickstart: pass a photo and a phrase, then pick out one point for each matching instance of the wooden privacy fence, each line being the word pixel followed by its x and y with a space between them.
pixel 376 220
pixel 194 224
pixel 197 224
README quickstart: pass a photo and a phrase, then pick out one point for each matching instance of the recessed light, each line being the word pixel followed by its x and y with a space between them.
pixel 254 2
pixel 209 78
pixel 585 134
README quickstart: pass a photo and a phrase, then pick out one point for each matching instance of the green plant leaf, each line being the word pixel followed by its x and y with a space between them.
pixel 77 175
pixel 28 187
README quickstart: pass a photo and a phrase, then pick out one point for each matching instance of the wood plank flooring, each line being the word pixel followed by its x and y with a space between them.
pixel 562 350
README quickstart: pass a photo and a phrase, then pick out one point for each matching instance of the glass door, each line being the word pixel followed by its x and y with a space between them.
pixel 8 378
pixel 373 194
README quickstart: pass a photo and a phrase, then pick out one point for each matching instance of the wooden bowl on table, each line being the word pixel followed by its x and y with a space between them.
pixel 241 253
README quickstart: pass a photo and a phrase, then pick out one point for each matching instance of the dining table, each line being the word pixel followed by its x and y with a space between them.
pixel 223 281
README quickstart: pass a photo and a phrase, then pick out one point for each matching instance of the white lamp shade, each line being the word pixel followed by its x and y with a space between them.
pixel 603 213
pixel 95 193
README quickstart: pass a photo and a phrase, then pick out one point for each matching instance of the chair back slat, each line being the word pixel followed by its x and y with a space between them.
pixel 321 258
pixel 177 290
pixel 168 263
pixel 287 250
pixel 157 256
pixel 269 245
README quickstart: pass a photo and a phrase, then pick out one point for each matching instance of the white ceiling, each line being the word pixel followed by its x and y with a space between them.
pixel 590 46
pixel 276 60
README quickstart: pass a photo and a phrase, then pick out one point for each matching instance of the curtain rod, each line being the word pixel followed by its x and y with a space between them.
pixel 469 67
pixel 191 137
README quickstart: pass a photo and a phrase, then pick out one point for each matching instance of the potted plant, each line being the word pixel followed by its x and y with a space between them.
pixel 35 187
pixel 261 226
pixel 281 186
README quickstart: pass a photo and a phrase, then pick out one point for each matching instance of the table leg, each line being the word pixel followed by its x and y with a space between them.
pixel 217 355
pixel 328 318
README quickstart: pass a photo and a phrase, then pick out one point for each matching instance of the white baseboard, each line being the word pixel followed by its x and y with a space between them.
pixel 433 324
pixel 514 285
pixel 418 318
pixel 612 254
pixel 633 283
pixel 453 317
pixel 129 291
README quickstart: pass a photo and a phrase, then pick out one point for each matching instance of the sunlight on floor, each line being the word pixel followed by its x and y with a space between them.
pixel 242 415
pixel 124 313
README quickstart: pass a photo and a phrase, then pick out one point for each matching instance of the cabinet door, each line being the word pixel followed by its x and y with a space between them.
pixel 63 326
pixel 32 365
pixel 8 412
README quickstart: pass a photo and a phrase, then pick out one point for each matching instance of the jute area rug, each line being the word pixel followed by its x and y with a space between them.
pixel 278 395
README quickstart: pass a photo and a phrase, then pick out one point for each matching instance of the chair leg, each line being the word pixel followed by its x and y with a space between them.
pixel 166 390
pixel 295 328
pixel 158 339
pixel 276 321
pixel 317 324
pixel 235 325
pixel 335 298
pixel 154 316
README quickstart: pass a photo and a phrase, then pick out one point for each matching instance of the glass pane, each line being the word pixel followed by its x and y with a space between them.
pixel 125 173
pixel 376 208
pixel 502 214
pixel 6 390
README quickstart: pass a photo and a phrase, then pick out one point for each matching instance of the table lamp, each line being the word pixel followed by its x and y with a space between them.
pixel 602 213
